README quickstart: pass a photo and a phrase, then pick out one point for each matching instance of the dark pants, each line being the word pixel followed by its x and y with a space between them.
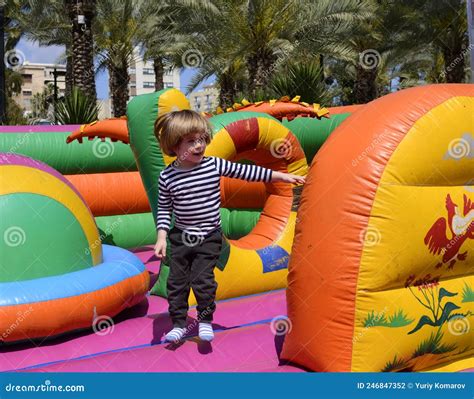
pixel 192 263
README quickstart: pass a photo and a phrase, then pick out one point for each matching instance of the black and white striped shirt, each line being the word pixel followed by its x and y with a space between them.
pixel 193 195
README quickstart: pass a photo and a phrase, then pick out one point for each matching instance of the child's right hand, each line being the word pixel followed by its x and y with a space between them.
pixel 160 249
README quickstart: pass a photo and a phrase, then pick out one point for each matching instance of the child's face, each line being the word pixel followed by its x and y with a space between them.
pixel 191 149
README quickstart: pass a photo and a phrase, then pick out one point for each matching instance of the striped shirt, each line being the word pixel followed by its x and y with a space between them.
pixel 193 195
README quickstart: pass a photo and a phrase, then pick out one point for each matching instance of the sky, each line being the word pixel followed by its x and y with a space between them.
pixel 53 54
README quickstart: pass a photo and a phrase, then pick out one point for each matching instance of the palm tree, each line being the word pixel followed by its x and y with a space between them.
pixel 13 82
pixel 203 41
pixel 304 79
pixel 40 102
pixel 47 23
pixel 81 14
pixel 440 29
pixel 154 34
pixel 266 28
pixel 77 108
pixel 245 42
pixel 161 26
pixel 379 54
pixel 116 30
pixel 10 30
pixel 426 42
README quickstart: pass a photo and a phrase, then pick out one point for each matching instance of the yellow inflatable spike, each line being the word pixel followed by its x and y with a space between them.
pixel 258 103
pixel 219 110
pixel 230 109
pixel 295 99
pixel 87 125
pixel 285 98
pixel 316 107
pixel 245 102
pixel 272 102
pixel 237 106
pixel 305 104
pixel 322 111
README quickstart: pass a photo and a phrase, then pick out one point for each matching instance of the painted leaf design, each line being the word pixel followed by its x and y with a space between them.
pixel 443 292
pixel 448 308
pixel 423 320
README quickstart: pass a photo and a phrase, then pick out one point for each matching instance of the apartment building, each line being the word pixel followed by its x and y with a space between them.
pixel 142 77
pixel 142 81
pixel 205 100
pixel 35 76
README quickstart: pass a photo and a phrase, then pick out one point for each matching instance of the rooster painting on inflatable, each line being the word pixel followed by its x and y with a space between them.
pixel 461 227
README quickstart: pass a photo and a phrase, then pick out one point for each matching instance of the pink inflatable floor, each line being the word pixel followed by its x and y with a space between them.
pixel 244 340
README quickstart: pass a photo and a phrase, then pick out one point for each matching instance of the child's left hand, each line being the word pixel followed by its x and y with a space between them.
pixel 288 178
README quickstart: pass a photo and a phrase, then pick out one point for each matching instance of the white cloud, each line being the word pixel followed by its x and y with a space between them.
pixel 34 53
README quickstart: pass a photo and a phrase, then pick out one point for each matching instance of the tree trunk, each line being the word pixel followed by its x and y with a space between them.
pixel 3 98
pixel 227 91
pixel 365 87
pixel 83 75
pixel 454 62
pixel 69 76
pixel 118 85
pixel 159 73
pixel 260 67
pixel 321 65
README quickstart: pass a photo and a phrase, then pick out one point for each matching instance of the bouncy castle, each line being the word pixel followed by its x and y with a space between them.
pixel 367 267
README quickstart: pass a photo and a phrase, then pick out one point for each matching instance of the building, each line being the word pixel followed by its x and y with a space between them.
pixel 35 78
pixel 205 100
pixel 142 81
pixel 105 108
pixel 142 77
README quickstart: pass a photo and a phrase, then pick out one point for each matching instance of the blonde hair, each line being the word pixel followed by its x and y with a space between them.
pixel 173 127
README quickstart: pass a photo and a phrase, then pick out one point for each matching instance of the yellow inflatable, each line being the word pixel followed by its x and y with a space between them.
pixel 381 272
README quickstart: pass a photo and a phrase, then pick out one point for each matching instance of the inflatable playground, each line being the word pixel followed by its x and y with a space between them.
pixel 368 267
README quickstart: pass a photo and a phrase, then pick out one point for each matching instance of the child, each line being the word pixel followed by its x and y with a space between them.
pixel 190 188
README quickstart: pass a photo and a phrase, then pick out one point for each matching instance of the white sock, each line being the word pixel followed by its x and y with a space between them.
pixel 175 334
pixel 205 331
